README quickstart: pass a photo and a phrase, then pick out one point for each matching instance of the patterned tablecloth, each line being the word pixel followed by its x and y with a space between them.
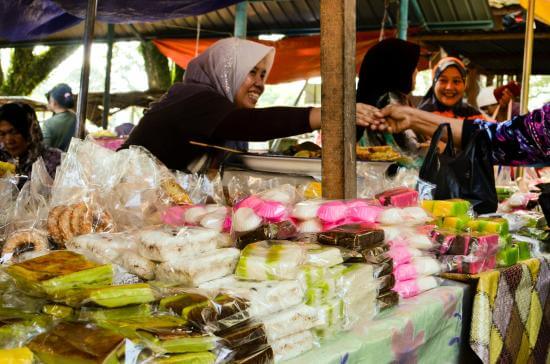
pixel 511 313
pixel 422 329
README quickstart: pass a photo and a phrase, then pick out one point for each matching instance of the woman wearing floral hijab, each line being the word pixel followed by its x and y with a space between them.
pixel 215 104
pixel 446 95
pixel 21 141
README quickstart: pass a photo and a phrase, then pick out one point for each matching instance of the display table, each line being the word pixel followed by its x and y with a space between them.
pixel 423 329
pixel 511 313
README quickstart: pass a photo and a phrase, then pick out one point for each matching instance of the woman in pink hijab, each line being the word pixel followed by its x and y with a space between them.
pixel 215 104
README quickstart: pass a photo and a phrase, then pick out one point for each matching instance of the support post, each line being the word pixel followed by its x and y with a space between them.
pixel 107 90
pixel 527 57
pixel 241 20
pixel 403 18
pixel 85 73
pixel 338 29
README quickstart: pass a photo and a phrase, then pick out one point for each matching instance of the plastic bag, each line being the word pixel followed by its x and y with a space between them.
pixel 418 267
pixel 275 260
pixel 414 287
pixel 8 197
pixel 264 217
pixel 469 264
pixel 215 217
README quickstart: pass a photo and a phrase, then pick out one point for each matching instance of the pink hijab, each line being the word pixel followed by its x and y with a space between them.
pixel 225 65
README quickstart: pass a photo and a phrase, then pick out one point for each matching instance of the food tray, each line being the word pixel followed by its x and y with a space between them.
pixel 291 165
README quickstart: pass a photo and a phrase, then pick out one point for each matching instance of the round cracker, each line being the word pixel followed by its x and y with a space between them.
pixel 64 225
pixel 24 240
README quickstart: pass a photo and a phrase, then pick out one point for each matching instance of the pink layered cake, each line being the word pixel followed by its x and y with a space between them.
pixel 398 197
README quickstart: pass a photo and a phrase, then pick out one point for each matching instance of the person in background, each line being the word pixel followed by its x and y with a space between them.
pixel 215 104
pixel 507 95
pixel 523 140
pixel 487 102
pixel 60 128
pixel 387 75
pixel 21 141
pixel 446 95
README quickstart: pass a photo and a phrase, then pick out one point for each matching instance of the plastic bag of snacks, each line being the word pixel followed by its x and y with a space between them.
pixel 215 217
pixel 265 216
pixel 414 287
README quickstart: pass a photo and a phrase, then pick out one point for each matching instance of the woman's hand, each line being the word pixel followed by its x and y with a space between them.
pixel 398 117
pixel 369 117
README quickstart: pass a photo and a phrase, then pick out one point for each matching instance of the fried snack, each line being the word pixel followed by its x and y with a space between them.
pixel 81 219
pixel 383 153
pixel 53 223
pixel 175 192
pixel 26 240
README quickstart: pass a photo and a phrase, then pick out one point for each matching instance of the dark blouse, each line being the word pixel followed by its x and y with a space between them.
pixel 208 117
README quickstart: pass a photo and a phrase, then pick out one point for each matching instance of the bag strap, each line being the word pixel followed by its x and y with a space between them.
pixel 436 138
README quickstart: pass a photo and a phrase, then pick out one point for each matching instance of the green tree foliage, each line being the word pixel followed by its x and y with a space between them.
pixel 156 66
pixel 27 70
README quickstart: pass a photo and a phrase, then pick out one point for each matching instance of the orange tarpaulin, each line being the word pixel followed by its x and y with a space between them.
pixel 296 58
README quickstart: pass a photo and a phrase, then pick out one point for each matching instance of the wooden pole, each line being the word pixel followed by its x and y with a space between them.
pixel 527 57
pixel 85 73
pixel 338 98
pixel 107 90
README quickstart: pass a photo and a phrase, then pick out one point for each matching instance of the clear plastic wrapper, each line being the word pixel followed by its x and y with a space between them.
pixel 418 238
pixel 164 244
pixel 468 264
pixel 67 221
pixel 248 342
pixel 398 197
pixel 324 256
pixel 489 225
pixel 213 217
pixel 59 274
pixel 387 300
pixel 264 216
pixel 456 223
pixel 385 283
pixel 519 201
pixel 402 254
pixel 271 260
pixel 16 329
pixel 31 205
pixel 408 216
pixel 192 271
pixel 263 297
pixel 445 208
pixel 418 267
pixel 507 256
pixel 354 237
pixel 476 244
pixel 290 321
pixel 112 296
pixel 525 219
pixel 77 343
pixel 414 287
pixel 293 345
pixel 357 277
pixel 25 244
pixel 534 245
pixel 8 196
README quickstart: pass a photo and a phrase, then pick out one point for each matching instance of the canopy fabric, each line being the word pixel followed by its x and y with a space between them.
pixel 542 9
pixel 296 58
pixel 32 19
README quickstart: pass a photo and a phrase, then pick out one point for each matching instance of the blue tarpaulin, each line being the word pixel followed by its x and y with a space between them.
pixel 32 19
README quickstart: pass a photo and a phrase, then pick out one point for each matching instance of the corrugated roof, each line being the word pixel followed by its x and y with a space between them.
pixel 295 17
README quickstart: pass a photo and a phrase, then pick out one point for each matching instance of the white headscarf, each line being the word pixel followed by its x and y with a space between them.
pixel 225 65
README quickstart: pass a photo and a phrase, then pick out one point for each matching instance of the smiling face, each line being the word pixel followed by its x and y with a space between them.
pixel 14 143
pixel 252 87
pixel 449 88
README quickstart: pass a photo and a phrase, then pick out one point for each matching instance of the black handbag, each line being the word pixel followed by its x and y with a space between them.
pixel 468 175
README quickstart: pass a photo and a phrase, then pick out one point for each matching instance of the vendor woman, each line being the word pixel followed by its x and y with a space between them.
pixel 21 141
pixel 215 104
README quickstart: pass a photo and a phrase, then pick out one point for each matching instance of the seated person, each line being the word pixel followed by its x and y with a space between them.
pixel 60 128
pixel 21 141
pixel 215 104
